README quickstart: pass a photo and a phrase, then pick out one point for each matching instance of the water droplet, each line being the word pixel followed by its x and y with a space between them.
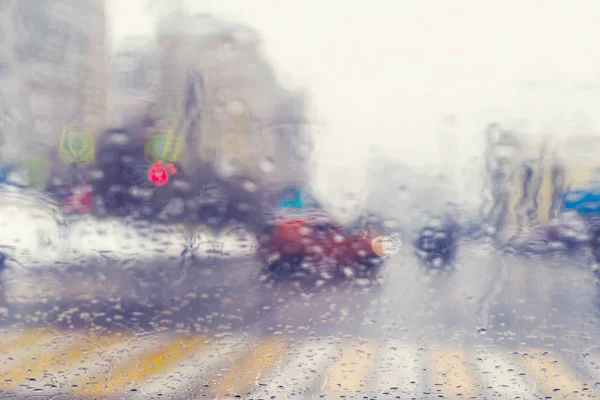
pixel 250 186
pixel 267 165
pixel 119 138
pixel 236 108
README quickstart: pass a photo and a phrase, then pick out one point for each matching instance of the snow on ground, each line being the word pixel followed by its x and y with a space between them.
pixel 36 233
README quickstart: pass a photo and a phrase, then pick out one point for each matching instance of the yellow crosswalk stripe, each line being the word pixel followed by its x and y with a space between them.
pixel 399 369
pixel 551 375
pixel 449 374
pixel 69 353
pixel 261 359
pixel 22 339
pixel 95 365
pixel 16 345
pixel 350 373
pixel 302 370
pixel 34 367
pixel 501 376
pixel 143 367
pixel 183 377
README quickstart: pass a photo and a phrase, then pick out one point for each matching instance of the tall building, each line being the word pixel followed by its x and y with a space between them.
pixel 52 72
pixel 134 81
pixel 244 124
pixel 521 180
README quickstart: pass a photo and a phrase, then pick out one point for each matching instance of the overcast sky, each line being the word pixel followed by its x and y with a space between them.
pixel 387 71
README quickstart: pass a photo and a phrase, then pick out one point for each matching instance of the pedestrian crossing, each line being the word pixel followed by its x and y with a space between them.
pixel 47 362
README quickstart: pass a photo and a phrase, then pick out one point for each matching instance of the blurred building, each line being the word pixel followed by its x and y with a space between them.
pixel 578 160
pixel 397 191
pixel 523 176
pixel 134 80
pixel 52 71
pixel 239 120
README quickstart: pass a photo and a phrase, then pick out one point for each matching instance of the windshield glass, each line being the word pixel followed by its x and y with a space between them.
pixel 207 199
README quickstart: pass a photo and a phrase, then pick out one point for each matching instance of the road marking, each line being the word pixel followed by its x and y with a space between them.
pixel 245 372
pixel 64 350
pixel 552 375
pixel 18 339
pixel 52 368
pixel 349 374
pixel 142 367
pixel 16 346
pixel 398 370
pixel 187 374
pixel 592 364
pixel 302 372
pixel 449 374
pixel 503 378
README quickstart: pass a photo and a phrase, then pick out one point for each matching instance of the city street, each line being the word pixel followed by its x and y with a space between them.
pixel 159 160
pixel 495 325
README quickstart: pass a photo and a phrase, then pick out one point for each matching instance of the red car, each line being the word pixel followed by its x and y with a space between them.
pixel 313 241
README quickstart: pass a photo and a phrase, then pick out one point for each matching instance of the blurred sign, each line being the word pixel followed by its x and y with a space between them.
pixel 159 173
pixel 38 172
pixel 76 146
pixel 582 201
pixel 291 198
pixel 297 198
pixel 164 147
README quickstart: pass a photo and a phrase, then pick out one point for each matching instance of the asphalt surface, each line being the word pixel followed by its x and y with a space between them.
pixel 491 326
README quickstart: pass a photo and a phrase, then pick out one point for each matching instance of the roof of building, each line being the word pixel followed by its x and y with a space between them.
pixel 201 25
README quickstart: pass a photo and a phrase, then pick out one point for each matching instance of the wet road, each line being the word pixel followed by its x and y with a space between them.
pixel 494 326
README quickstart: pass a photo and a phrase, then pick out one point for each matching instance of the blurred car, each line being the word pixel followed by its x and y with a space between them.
pixel 312 241
pixel 576 225
pixel 581 208
pixel 436 242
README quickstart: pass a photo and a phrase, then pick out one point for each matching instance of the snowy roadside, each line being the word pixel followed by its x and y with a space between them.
pixel 35 232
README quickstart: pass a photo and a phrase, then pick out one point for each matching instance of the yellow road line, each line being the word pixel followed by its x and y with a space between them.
pixel 549 372
pixel 261 360
pixel 449 374
pixel 143 367
pixel 349 374
pixel 72 354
